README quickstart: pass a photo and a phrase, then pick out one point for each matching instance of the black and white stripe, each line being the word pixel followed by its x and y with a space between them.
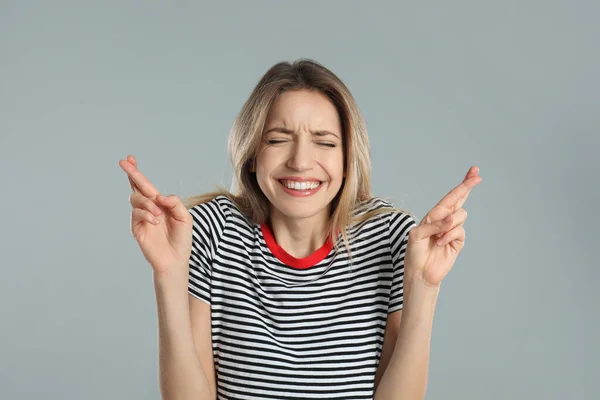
pixel 284 333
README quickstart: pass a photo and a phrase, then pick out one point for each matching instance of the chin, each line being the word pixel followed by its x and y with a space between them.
pixel 299 210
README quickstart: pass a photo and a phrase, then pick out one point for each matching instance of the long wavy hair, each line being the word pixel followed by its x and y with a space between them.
pixel 246 137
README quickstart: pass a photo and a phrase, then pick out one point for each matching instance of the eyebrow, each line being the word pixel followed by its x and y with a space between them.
pixel 289 131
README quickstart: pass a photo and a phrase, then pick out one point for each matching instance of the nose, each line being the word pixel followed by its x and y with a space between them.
pixel 302 157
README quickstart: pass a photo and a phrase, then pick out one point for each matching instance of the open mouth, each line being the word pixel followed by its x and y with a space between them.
pixel 300 188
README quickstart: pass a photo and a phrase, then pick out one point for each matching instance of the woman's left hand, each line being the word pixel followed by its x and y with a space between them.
pixel 424 258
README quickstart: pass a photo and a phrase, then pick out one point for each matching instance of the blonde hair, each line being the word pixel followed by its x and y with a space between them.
pixel 246 136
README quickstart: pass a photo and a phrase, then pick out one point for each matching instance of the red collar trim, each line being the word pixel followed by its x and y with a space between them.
pixel 286 258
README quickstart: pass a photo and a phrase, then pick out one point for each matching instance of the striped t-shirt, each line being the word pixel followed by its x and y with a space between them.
pixel 288 328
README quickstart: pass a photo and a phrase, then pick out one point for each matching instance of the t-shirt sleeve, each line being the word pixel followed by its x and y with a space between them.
pixel 208 226
pixel 400 225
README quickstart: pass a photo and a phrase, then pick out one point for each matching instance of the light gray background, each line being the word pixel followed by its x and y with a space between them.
pixel 509 86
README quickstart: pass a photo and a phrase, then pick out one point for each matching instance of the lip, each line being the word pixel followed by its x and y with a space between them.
pixel 300 193
pixel 298 179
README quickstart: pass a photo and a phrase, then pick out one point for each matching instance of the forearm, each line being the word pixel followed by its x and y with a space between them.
pixel 405 376
pixel 180 372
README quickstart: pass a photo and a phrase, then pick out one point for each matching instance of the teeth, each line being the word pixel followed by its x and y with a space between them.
pixel 300 185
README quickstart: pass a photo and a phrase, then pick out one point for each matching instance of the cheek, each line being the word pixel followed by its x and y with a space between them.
pixel 265 164
pixel 334 164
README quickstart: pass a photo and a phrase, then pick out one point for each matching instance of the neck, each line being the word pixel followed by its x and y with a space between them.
pixel 300 237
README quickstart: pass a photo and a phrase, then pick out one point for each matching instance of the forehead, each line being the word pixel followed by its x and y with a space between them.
pixel 303 109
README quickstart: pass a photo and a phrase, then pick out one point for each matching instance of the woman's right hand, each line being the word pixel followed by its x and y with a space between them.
pixel 167 242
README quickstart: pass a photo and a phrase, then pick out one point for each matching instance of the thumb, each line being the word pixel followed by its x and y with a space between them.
pixel 433 228
pixel 173 205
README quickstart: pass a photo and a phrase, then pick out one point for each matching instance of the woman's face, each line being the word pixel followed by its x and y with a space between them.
pixel 300 165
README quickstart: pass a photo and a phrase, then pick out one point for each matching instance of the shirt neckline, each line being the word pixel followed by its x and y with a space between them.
pixel 291 261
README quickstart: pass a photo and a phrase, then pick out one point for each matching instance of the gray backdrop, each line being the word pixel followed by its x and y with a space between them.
pixel 509 86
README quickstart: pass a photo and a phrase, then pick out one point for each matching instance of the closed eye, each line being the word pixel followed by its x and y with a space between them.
pixel 275 141
pixel 332 145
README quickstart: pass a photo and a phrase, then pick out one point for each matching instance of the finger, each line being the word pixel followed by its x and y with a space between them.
pixel 456 235
pixel 442 209
pixel 425 230
pixel 123 164
pixel 132 160
pixel 441 226
pixel 174 205
pixel 459 193
pixel 460 216
pixel 473 171
pixel 457 196
pixel 138 215
pixel 137 200
pixel 141 184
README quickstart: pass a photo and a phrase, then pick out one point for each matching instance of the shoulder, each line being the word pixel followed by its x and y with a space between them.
pixel 374 203
pixel 218 210
pixel 384 211
pixel 376 206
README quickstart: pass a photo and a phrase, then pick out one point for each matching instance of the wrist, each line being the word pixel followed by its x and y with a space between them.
pixel 418 279
pixel 419 292
pixel 173 277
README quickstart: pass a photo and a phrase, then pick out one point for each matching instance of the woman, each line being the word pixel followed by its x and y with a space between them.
pixel 301 284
